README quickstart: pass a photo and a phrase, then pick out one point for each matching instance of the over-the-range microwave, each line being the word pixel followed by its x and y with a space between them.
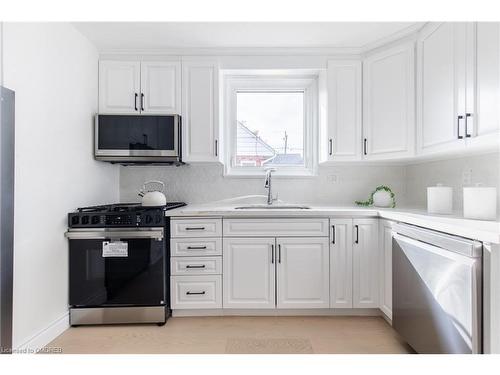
pixel 138 139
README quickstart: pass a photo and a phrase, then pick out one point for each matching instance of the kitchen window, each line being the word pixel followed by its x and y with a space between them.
pixel 270 122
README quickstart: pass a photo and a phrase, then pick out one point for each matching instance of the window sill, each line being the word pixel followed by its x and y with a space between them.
pixel 260 173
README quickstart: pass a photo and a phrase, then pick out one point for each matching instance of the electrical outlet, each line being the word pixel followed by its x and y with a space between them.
pixel 333 178
pixel 467 176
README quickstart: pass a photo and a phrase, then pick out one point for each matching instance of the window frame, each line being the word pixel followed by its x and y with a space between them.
pixel 308 84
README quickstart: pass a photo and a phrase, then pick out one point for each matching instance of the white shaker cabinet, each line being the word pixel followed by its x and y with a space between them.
pixel 341 263
pixel 365 263
pixel 341 134
pixel 200 112
pixel 249 273
pixel 385 261
pixel 485 130
pixel 302 273
pixel 388 103
pixel 161 87
pixel 119 86
pixel 133 87
pixel 444 99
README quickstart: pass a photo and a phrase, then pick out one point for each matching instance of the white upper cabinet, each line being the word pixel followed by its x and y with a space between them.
pixel 119 86
pixel 128 87
pixel 441 86
pixel 484 131
pixel 249 273
pixel 200 111
pixel 365 263
pixel 341 263
pixel 161 87
pixel 388 103
pixel 341 135
pixel 303 273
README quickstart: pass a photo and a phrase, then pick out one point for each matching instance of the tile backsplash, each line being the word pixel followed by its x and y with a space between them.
pixel 339 185
pixel 334 185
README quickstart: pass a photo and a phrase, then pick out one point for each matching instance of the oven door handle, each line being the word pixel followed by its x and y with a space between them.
pixel 156 234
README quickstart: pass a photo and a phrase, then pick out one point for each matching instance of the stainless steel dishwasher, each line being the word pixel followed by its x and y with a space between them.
pixel 437 290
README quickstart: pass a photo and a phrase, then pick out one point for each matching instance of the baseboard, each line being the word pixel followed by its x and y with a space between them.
pixel 276 312
pixel 40 339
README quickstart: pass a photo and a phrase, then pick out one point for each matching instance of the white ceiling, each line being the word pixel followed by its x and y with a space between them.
pixel 163 35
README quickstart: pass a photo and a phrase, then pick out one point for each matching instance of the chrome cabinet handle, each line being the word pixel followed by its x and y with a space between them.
pixel 460 117
pixel 333 234
pixel 357 233
pixel 135 102
pixel 195 228
pixel 272 254
pixel 330 146
pixel 279 253
pixel 195 266
pixel 196 247
pixel 142 101
pixel 216 147
pixel 195 293
pixel 364 147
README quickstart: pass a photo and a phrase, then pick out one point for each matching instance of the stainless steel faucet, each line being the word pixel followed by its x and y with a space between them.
pixel 268 185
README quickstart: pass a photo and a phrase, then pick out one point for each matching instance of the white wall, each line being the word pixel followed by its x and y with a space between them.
pixel 200 184
pixel 53 70
pixel 482 169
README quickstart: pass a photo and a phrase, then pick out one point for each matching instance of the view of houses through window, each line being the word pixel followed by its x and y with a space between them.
pixel 270 129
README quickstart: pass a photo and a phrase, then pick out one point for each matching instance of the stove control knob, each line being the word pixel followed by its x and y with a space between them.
pixel 158 219
pixel 75 220
pixel 95 219
pixel 85 220
pixel 149 219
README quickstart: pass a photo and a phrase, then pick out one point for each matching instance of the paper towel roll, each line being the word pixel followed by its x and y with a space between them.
pixel 480 203
pixel 440 199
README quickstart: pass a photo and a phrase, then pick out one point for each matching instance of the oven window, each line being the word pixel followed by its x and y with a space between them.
pixel 138 279
pixel 120 132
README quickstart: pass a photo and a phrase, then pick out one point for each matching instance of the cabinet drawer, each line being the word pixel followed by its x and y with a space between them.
pixel 276 227
pixel 196 228
pixel 195 246
pixel 196 292
pixel 196 265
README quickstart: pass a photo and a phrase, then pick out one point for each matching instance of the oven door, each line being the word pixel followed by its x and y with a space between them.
pixel 133 273
pixel 136 138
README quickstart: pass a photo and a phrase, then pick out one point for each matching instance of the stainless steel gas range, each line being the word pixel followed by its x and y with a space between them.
pixel 118 264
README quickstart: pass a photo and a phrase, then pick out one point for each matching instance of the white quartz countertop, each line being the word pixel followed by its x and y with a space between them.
pixel 485 231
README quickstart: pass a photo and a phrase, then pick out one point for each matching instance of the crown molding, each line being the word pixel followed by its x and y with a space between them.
pixel 410 30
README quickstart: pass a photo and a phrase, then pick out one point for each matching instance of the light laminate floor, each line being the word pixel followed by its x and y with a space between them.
pixel 236 334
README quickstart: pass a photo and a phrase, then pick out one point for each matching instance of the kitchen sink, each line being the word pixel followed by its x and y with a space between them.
pixel 272 207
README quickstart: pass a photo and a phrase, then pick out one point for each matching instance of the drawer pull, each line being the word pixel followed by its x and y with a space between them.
pixel 195 266
pixel 196 247
pixel 195 293
pixel 195 228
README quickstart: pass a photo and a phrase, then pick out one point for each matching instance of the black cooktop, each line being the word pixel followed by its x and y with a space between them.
pixel 120 215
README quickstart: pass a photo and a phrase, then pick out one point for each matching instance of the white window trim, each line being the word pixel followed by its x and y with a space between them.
pixel 304 83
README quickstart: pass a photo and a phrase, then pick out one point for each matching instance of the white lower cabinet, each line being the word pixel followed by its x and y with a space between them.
pixel 249 273
pixel 303 273
pixel 341 263
pixel 196 292
pixel 385 245
pixel 365 263
pixel 276 272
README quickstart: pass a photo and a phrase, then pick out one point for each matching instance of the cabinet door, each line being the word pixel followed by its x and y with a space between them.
pixel 385 245
pixel 388 103
pixel 119 86
pixel 341 263
pixel 249 273
pixel 441 83
pixel 161 87
pixel 200 111
pixel 303 273
pixel 343 133
pixel 365 263
pixel 487 124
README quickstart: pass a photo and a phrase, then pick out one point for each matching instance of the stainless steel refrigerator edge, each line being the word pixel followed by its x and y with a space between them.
pixel 6 216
